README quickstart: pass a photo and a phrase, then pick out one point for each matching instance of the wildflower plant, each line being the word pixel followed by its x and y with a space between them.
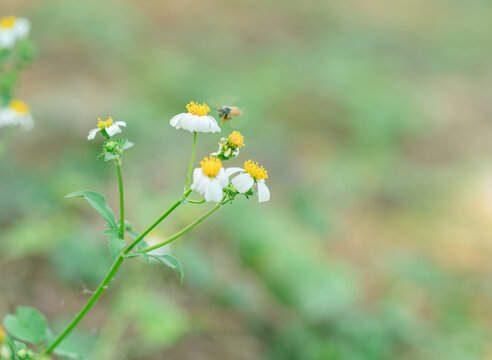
pixel 16 51
pixel 210 180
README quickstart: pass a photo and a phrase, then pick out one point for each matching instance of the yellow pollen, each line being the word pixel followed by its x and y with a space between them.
pixel 2 335
pixel 255 171
pixel 7 22
pixel 197 109
pixel 211 166
pixel 19 106
pixel 104 124
pixel 236 139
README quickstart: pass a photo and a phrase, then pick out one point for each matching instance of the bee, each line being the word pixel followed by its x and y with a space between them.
pixel 227 112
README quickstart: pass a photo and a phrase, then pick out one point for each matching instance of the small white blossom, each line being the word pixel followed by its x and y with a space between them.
pixel 12 29
pixel 16 113
pixel 249 176
pixel 196 119
pixel 110 127
pixel 210 179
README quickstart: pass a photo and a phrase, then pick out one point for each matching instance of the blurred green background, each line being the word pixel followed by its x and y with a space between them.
pixel 373 120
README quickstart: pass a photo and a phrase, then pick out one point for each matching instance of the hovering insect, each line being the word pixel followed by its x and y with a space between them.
pixel 227 112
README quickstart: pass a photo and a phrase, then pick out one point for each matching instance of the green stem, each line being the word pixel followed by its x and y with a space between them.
pixel 182 232
pixel 191 163
pixel 104 284
pixel 97 294
pixel 149 229
pixel 122 200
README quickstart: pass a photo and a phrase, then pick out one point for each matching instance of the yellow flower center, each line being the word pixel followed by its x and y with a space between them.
pixel 197 109
pixel 19 106
pixel 211 166
pixel 8 22
pixel 104 124
pixel 255 171
pixel 2 335
pixel 236 139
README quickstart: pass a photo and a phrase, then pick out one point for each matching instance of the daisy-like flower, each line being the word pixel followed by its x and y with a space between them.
pixel 16 113
pixel 229 147
pixel 11 29
pixel 196 119
pixel 210 179
pixel 108 127
pixel 249 176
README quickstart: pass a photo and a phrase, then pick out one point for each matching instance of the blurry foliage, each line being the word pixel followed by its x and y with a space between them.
pixel 373 120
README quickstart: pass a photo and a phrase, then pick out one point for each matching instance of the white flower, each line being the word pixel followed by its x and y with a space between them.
pixel 210 179
pixel 111 128
pixel 249 176
pixel 12 29
pixel 16 113
pixel 196 119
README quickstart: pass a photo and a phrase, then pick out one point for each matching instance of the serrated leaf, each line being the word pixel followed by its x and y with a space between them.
pixel 115 244
pixel 172 262
pixel 98 202
pixel 28 324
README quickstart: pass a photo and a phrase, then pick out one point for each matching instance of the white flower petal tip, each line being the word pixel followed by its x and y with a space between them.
pixel 196 119
pixel 263 191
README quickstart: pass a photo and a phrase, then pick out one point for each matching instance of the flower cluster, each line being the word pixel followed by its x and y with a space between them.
pixel 15 52
pixel 211 179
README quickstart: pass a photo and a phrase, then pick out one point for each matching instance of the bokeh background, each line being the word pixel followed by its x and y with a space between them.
pixel 373 120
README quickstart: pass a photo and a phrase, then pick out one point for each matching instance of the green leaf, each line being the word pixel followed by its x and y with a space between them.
pixel 126 144
pixel 109 156
pixel 98 202
pixel 28 324
pixel 115 244
pixel 170 261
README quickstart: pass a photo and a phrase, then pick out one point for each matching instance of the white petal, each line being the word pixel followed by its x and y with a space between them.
pixel 27 122
pixel 200 181
pixel 7 38
pixel 263 191
pixel 243 182
pixel 22 27
pixel 175 121
pixel 222 178
pixel 8 117
pixel 120 123
pixel 213 124
pixel 232 170
pixel 113 129
pixel 213 191
pixel 92 133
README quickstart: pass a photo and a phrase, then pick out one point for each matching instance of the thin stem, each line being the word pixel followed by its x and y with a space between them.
pixel 122 200
pixel 179 233
pixel 195 201
pixel 191 163
pixel 112 272
pixel 149 229
pixel 103 286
